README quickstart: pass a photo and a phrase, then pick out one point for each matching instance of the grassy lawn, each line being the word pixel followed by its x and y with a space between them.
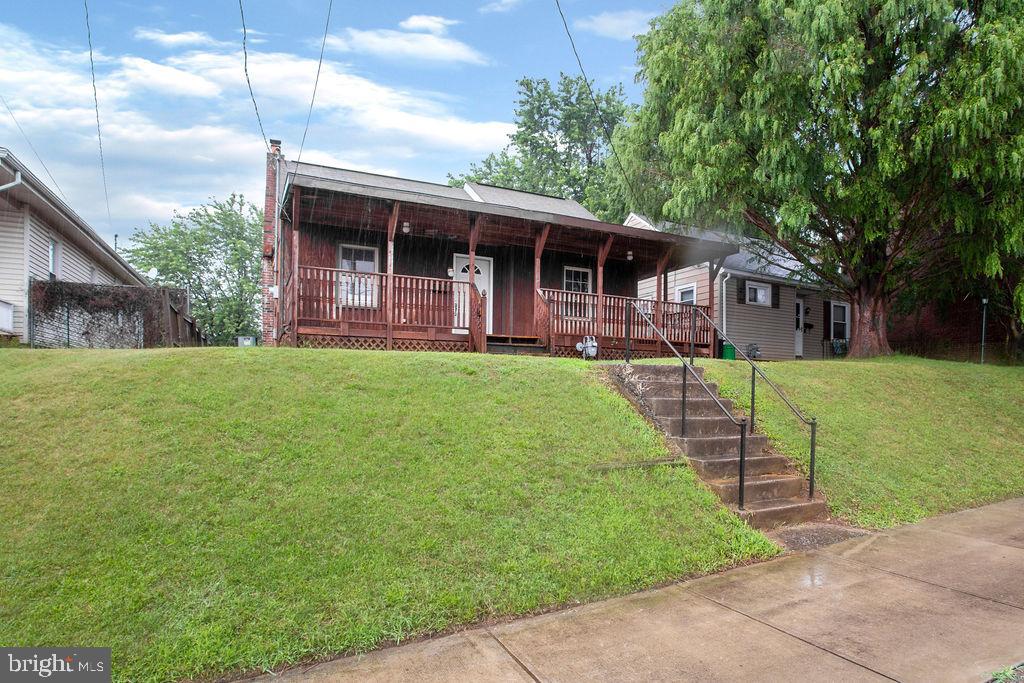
pixel 206 511
pixel 900 438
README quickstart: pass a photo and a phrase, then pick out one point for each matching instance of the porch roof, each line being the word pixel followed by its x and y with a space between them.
pixel 510 217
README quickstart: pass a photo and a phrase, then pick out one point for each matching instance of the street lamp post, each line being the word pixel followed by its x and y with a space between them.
pixel 984 316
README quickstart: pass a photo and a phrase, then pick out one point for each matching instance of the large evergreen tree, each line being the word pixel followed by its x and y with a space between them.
pixel 869 138
pixel 560 145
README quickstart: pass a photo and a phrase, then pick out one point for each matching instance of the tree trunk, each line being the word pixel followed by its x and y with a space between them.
pixel 870 315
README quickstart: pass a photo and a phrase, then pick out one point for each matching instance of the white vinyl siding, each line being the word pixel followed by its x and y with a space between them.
pixel 695 275
pixel 73 264
pixel 12 264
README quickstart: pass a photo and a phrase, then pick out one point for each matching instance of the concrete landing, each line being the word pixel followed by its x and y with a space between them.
pixel 938 601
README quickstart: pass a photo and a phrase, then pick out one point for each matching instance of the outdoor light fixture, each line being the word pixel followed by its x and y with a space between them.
pixel 451 272
pixel 406 228
pixel 629 255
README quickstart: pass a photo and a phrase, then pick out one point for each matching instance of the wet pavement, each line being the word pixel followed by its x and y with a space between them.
pixel 942 600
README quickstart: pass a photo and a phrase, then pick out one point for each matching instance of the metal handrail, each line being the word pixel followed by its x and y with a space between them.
pixel 755 370
pixel 687 370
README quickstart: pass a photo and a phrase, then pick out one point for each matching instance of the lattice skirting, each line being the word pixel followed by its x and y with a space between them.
pixel 327 341
pixel 430 345
pixel 603 353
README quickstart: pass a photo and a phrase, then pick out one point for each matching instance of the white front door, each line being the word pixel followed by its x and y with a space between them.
pixel 798 341
pixel 483 278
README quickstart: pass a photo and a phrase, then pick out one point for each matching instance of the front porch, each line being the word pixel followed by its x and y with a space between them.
pixel 363 271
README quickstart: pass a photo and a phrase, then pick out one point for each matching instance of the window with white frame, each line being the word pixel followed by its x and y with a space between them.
pixel 51 257
pixel 359 285
pixel 840 320
pixel 759 294
pixel 577 280
pixel 686 294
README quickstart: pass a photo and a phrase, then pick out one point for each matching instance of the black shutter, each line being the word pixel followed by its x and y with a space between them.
pixel 775 296
pixel 826 332
pixel 741 291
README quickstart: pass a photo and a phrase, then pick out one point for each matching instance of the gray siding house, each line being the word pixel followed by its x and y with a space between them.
pixel 760 303
pixel 42 238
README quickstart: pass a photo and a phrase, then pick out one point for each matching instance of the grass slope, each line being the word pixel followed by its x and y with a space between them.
pixel 899 438
pixel 204 511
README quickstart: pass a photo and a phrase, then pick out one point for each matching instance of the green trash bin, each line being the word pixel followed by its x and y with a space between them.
pixel 728 352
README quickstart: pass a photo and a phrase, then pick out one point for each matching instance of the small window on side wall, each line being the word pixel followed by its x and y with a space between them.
pixel 687 294
pixel 840 320
pixel 51 257
pixel 759 294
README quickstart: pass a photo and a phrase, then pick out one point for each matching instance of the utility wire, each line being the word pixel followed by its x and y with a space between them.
pixel 33 148
pixel 597 107
pixel 96 101
pixel 323 44
pixel 245 67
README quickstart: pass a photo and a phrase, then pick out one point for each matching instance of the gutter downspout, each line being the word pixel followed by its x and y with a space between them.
pixel 722 297
pixel 15 183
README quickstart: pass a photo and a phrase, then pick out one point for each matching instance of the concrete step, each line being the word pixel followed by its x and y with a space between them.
pixel 660 388
pixel 723 467
pixel 715 424
pixel 758 488
pixel 701 446
pixel 697 406
pixel 673 372
pixel 771 514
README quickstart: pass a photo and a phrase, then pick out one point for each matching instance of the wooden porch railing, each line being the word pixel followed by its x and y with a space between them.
pixel 329 297
pixel 575 314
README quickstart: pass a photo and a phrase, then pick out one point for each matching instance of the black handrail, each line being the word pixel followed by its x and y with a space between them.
pixel 688 369
pixel 754 372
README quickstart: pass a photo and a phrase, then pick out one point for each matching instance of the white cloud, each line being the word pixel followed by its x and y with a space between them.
pixel 500 6
pixel 407 46
pixel 143 74
pixel 621 25
pixel 171 40
pixel 428 23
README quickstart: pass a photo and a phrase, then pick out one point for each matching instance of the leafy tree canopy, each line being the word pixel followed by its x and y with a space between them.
pixel 214 252
pixel 872 139
pixel 559 146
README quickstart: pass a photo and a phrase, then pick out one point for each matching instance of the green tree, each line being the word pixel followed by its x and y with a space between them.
pixel 213 251
pixel 559 146
pixel 871 138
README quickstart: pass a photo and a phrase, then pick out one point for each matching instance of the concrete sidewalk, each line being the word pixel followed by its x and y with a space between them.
pixel 938 601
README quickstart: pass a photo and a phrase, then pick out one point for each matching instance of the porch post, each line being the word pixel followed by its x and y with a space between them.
pixel 296 289
pixel 659 306
pixel 714 268
pixel 539 240
pixel 540 317
pixel 389 311
pixel 602 256
pixel 474 237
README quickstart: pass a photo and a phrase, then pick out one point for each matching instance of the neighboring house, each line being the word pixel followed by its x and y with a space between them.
pixel 358 260
pixel 42 238
pixel 757 302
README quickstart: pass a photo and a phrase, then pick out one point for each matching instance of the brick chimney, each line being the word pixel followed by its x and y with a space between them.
pixel 268 274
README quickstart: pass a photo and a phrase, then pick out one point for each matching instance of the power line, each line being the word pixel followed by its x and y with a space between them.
pixel 597 107
pixel 245 66
pixel 96 101
pixel 323 44
pixel 33 148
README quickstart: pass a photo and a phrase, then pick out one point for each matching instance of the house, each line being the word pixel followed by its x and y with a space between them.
pixel 359 260
pixel 42 238
pixel 758 301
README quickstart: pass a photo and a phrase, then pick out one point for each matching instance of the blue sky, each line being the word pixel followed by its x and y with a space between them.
pixel 416 89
